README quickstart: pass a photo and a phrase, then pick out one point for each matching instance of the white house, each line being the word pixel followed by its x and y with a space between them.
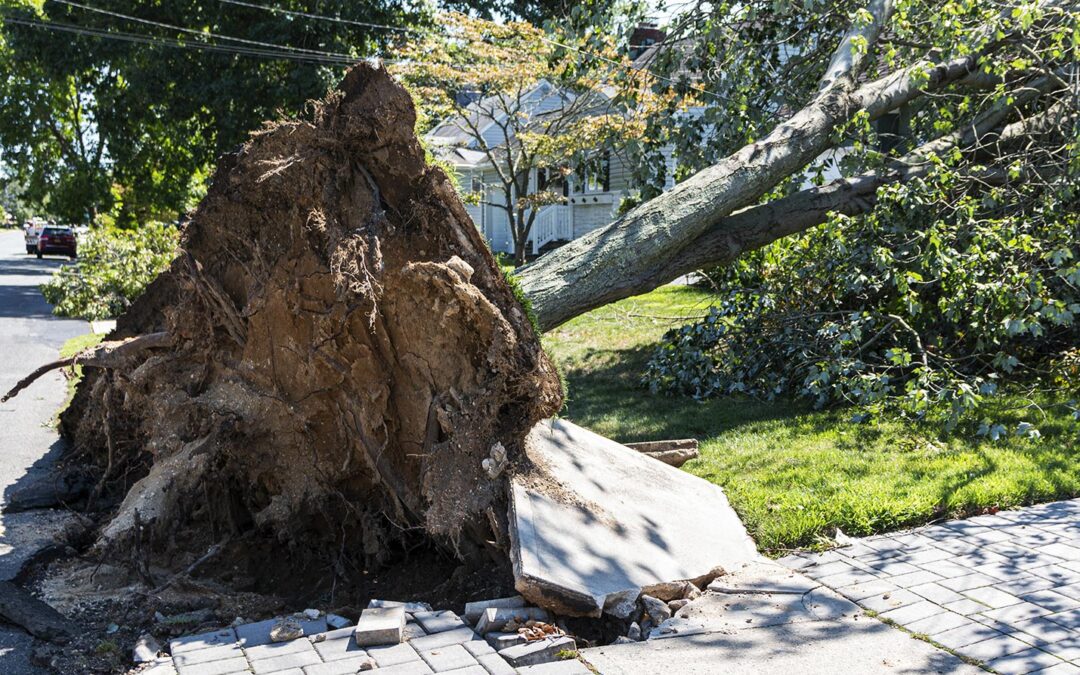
pixel 591 198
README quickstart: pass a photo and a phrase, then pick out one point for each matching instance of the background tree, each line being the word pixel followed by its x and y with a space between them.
pixel 125 105
pixel 99 109
pixel 528 102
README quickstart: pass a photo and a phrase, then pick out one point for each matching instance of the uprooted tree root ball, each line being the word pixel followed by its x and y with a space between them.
pixel 322 370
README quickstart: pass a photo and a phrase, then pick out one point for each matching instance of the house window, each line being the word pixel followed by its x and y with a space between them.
pixel 477 184
pixel 596 175
pixel 553 180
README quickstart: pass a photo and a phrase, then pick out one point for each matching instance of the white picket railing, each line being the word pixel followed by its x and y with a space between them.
pixel 552 224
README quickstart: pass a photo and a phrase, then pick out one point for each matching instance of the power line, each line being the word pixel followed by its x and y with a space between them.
pixel 204 34
pixel 178 44
pixel 578 50
pixel 321 17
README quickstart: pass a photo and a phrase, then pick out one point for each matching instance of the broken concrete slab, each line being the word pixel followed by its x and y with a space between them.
pixel 538 651
pixel 473 610
pixel 380 626
pixel 597 519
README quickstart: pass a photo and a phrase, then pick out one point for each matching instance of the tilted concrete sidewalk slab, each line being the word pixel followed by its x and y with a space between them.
pixel 597 520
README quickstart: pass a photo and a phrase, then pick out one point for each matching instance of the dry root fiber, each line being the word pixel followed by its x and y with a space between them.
pixel 343 353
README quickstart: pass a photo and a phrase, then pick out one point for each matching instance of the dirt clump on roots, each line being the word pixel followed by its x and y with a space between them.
pixel 334 353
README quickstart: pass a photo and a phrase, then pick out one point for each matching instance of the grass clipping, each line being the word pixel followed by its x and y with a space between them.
pixel 344 354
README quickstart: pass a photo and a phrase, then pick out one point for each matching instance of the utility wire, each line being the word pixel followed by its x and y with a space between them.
pixel 555 43
pixel 320 17
pixel 204 34
pixel 178 44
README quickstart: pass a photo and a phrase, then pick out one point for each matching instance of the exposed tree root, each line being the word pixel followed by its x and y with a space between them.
pixel 116 354
pixel 317 379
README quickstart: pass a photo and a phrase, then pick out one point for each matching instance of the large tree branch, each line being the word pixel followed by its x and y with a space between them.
pixel 757 226
pixel 850 57
pixel 613 262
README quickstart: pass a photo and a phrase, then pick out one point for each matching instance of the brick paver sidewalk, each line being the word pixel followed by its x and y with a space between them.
pixel 1003 589
pixel 437 642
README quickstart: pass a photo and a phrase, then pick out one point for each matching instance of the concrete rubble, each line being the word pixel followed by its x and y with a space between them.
pixel 596 528
pixel 390 636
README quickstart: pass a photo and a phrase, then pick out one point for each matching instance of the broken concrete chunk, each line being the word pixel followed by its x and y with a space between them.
pixel 605 528
pixel 501 641
pixel 380 626
pixel 146 649
pixel 705 579
pixel 19 607
pixel 622 604
pixel 635 632
pixel 473 610
pixel 670 590
pixel 496 618
pixel 658 610
pixel 676 605
pixel 412 631
pixel 495 463
pixel 312 614
pixel 540 651
pixel 336 621
pixel 286 629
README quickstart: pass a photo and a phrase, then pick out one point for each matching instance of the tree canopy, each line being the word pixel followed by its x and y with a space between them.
pixel 123 106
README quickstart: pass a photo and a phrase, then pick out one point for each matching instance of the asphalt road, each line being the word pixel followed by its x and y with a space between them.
pixel 29 337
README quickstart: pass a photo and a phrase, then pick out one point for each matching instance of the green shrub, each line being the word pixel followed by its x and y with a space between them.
pixel 916 308
pixel 113 268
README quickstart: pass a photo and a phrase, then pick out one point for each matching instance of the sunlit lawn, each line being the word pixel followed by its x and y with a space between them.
pixel 795 474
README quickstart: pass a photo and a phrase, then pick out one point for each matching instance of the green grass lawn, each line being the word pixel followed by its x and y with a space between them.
pixel 795 474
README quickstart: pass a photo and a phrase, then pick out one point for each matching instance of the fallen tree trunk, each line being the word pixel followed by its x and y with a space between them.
pixel 643 248
pixel 335 352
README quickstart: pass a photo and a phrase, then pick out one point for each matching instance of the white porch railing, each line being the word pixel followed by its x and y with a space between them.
pixel 552 224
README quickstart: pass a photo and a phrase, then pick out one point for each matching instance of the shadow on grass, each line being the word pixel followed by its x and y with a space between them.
pixel 606 394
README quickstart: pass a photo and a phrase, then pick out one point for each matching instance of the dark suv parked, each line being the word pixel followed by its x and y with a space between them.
pixel 56 240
